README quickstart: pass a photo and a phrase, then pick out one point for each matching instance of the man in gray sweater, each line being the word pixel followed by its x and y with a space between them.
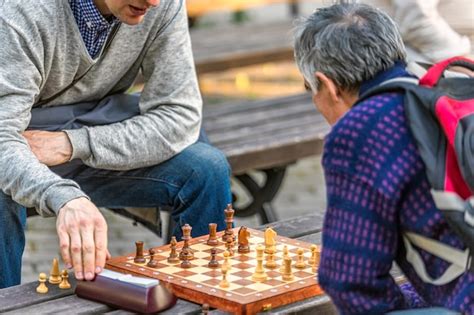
pixel 72 141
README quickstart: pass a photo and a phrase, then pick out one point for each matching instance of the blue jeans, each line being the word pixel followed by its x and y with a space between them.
pixel 194 183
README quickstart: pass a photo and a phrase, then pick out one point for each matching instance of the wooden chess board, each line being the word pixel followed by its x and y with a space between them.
pixel 200 284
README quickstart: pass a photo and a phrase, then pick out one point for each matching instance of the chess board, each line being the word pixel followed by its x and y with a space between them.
pixel 200 284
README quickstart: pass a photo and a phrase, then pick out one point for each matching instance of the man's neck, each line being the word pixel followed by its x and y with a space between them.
pixel 102 7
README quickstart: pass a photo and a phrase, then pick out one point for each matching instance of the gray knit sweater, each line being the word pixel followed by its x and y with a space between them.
pixel 42 53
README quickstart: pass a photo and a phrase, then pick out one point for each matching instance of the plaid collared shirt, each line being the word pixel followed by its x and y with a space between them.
pixel 94 28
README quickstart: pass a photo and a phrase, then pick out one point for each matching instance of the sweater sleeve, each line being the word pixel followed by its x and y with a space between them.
pixel 170 106
pixel 29 182
pixel 360 239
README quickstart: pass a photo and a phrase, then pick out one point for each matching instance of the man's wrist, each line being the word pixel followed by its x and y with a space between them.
pixel 57 197
pixel 79 139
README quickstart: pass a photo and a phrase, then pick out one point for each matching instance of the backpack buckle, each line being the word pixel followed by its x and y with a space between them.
pixel 469 212
pixel 469 263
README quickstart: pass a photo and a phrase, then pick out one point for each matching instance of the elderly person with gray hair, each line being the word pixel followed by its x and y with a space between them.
pixel 376 182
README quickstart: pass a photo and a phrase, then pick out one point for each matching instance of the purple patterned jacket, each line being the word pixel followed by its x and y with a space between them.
pixel 376 189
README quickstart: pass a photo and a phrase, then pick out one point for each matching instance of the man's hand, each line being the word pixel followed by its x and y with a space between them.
pixel 50 148
pixel 82 232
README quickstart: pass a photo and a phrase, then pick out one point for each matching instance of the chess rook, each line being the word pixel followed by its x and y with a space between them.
pixel 287 273
pixel 285 254
pixel 212 241
pixel 139 257
pixel 229 220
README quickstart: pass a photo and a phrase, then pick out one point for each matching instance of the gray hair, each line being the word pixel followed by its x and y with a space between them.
pixel 350 43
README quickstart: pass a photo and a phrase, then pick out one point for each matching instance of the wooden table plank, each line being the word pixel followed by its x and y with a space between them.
pixel 67 305
pixel 23 295
pixel 181 307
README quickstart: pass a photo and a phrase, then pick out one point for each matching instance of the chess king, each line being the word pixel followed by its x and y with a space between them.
pixel 72 140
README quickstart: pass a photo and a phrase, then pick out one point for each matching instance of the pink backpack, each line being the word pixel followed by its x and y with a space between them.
pixel 440 113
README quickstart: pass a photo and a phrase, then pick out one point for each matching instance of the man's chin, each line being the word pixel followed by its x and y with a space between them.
pixel 131 20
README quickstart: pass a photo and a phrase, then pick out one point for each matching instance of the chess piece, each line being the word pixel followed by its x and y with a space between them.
pixel 285 254
pixel 65 282
pixel 259 274
pixel 229 219
pixel 139 257
pixel 243 237
pixel 54 275
pixel 205 309
pixel 315 258
pixel 212 241
pixel 229 244
pixel 226 260
pixel 312 259
pixel 270 261
pixel 300 264
pixel 270 242
pixel 224 283
pixel 186 250
pixel 152 263
pixel 42 288
pixel 173 257
pixel 287 274
pixel 213 263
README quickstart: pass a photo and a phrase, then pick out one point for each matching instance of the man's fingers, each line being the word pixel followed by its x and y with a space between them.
pixel 76 253
pixel 88 253
pixel 64 247
pixel 101 251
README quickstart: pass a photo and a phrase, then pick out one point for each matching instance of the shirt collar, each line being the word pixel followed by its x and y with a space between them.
pixel 397 70
pixel 92 16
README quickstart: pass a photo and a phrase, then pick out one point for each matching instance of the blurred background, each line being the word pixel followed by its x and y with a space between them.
pixel 258 34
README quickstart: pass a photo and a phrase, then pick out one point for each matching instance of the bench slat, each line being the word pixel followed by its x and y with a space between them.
pixel 211 111
pixel 216 51
pixel 297 227
pixel 274 129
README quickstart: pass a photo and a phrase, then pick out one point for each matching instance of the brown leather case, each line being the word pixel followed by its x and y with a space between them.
pixel 125 295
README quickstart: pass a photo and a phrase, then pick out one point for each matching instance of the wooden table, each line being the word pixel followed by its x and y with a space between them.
pixel 23 299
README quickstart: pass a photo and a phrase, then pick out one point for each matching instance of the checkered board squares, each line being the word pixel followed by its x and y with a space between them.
pixel 200 283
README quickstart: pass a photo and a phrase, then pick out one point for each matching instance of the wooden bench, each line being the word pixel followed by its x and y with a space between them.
pixel 257 136
pixel 241 45
pixel 198 8
pixel 23 299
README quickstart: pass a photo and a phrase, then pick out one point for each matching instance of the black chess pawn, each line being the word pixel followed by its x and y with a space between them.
pixel 213 263
pixel 173 257
pixel 230 245
pixel 152 263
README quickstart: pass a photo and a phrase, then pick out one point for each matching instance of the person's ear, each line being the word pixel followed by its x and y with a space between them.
pixel 327 85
